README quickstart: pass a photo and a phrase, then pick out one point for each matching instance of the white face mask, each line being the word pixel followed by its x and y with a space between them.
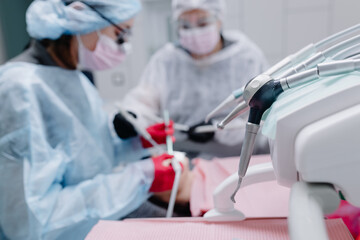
pixel 107 54
pixel 201 40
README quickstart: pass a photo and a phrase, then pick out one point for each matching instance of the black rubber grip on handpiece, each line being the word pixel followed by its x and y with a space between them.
pixel 263 99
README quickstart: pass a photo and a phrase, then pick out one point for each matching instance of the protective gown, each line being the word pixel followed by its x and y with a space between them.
pixel 61 167
pixel 190 89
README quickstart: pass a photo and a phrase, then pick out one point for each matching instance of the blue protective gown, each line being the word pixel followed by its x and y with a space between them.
pixel 58 155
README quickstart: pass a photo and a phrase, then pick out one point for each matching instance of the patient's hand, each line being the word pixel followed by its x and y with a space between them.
pixel 185 184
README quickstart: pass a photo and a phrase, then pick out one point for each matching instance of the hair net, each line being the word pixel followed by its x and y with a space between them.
pixel 52 18
pixel 217 7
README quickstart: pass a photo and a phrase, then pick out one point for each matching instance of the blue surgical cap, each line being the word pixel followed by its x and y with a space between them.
pixel 53 18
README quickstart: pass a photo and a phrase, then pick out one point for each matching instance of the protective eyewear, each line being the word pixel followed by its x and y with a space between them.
pixel 202 22
pixel 124 33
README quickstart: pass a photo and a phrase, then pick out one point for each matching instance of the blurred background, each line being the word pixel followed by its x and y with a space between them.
pixel 279 27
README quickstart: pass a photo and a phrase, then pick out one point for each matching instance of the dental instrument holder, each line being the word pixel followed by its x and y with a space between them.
pixel 237 94
pixel 257 95
pixel 176 166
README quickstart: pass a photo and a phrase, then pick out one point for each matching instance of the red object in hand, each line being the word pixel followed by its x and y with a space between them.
pixel 159 132
pixel 164 173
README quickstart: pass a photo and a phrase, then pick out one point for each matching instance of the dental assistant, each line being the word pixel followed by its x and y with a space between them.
pixel 190 77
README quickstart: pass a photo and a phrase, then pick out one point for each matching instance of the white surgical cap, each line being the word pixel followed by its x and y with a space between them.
pixel 53 18
pixel 217 7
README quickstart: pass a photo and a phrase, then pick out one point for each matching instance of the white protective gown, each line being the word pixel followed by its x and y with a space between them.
pixel 190 89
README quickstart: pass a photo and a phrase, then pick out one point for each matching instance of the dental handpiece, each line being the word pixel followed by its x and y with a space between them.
pixel 234 96
pixel 246 152
pixel 257 97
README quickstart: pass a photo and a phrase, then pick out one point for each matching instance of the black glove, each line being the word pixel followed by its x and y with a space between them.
pixel 200 137
pixel 123 128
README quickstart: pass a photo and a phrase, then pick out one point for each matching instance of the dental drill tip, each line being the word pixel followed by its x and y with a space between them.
pixel 221 125
pixel 236 190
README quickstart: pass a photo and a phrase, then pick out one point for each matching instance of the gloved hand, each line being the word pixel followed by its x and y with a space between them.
pixel 200 137
pixel 123 128
pixel 159 132
pixel 164 173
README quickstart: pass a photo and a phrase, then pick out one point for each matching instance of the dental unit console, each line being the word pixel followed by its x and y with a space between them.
pixel 315 147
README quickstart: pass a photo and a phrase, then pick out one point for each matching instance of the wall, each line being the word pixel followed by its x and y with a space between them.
pixel 279 27
pixel 14 35
pixel 2 50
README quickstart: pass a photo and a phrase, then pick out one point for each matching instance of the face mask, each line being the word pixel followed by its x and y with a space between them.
pixel 200 41
pixel 107 54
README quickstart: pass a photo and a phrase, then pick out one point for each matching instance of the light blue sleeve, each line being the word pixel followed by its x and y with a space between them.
pixel 34 201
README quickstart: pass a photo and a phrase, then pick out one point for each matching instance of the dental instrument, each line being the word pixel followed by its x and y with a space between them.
pixel 235 95
pixel 157 119
pixel 289 61
pixel 176 166
pixel 311 62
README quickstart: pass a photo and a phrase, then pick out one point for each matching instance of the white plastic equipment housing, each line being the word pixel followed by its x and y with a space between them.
pixel 292 155
pixel 328 151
